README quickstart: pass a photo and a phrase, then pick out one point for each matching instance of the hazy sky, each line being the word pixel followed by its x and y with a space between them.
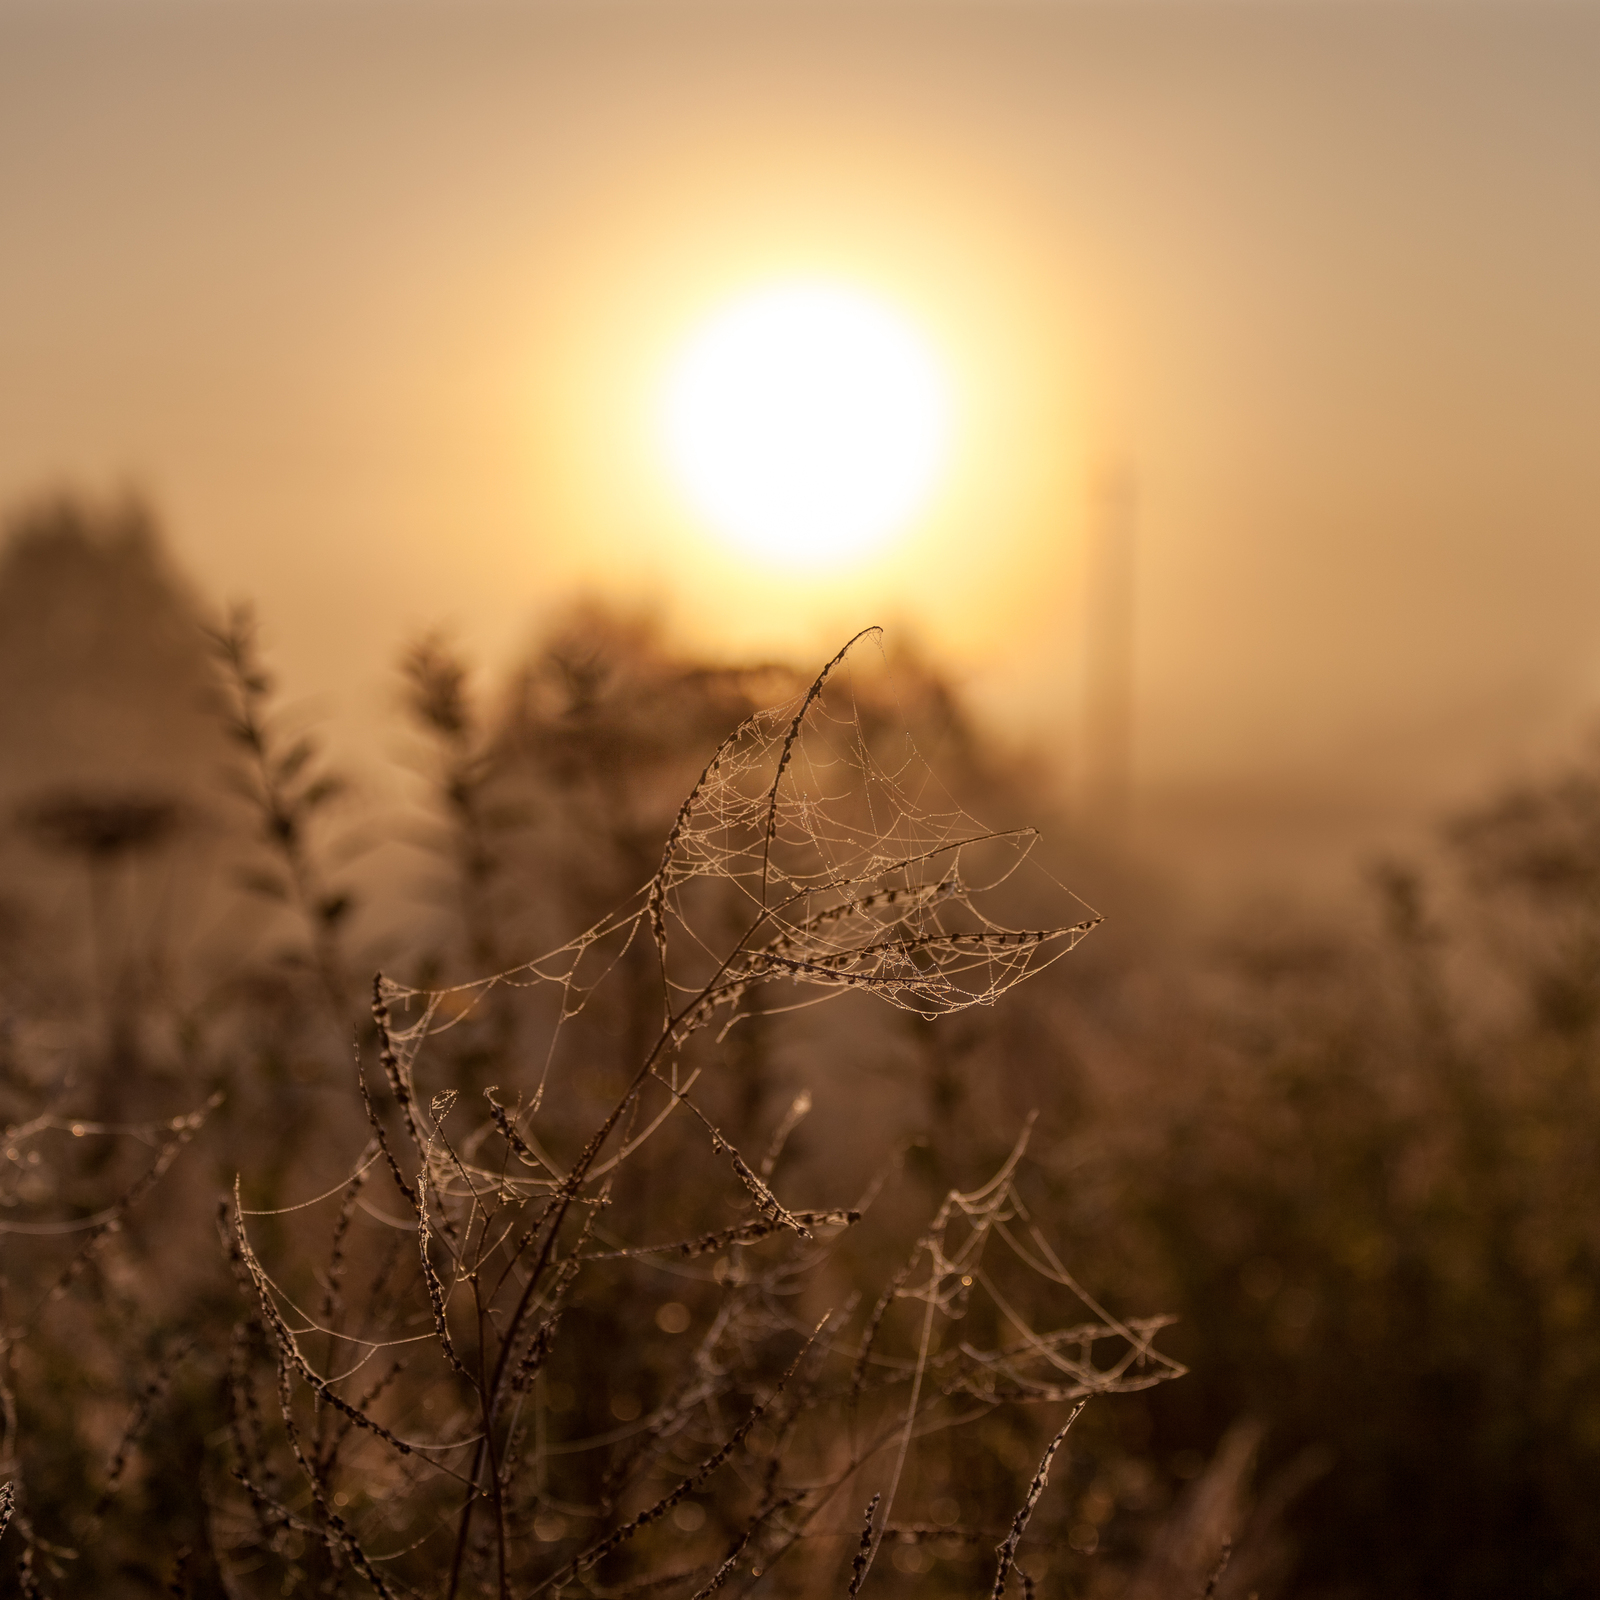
pixel 370 297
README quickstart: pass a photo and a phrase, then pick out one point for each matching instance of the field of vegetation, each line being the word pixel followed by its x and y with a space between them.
pixel 682 1137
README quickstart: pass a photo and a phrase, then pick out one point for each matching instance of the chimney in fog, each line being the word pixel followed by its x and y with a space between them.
pixel 1106 746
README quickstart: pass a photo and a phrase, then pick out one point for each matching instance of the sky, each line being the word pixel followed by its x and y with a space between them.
pixel 372 300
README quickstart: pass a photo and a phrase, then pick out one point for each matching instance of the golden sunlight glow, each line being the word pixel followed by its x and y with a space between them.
pixel 808 422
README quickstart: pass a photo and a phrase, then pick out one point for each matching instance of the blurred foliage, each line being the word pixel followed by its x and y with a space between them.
pixel 1358 1159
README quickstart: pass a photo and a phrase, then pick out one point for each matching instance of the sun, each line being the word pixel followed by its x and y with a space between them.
pixel 807 422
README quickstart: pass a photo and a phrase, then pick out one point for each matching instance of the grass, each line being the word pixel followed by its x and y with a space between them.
pixel 695 1191
pixel 475 1385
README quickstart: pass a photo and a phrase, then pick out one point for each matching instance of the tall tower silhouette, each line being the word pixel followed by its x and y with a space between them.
pixel 1108 639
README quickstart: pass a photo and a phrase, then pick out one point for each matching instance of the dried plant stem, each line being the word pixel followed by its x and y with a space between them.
pixel 1007 1552
pixel 726 1570
pixel 603 1547
pixel 817 685
pixel 863 1557
pixel 1217 1571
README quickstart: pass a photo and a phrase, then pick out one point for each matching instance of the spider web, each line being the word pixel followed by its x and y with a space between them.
pixel 804 863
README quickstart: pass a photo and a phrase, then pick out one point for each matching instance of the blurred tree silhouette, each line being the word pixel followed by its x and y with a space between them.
pixel 105 832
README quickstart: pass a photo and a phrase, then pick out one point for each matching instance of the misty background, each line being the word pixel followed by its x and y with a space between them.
pixel 327 286
pixel 350 623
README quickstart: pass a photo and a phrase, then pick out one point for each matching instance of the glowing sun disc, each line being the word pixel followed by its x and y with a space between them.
pixel 807 422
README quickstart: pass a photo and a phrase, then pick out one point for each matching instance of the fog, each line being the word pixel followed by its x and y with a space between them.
pixel 363 299
pixel 458 906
